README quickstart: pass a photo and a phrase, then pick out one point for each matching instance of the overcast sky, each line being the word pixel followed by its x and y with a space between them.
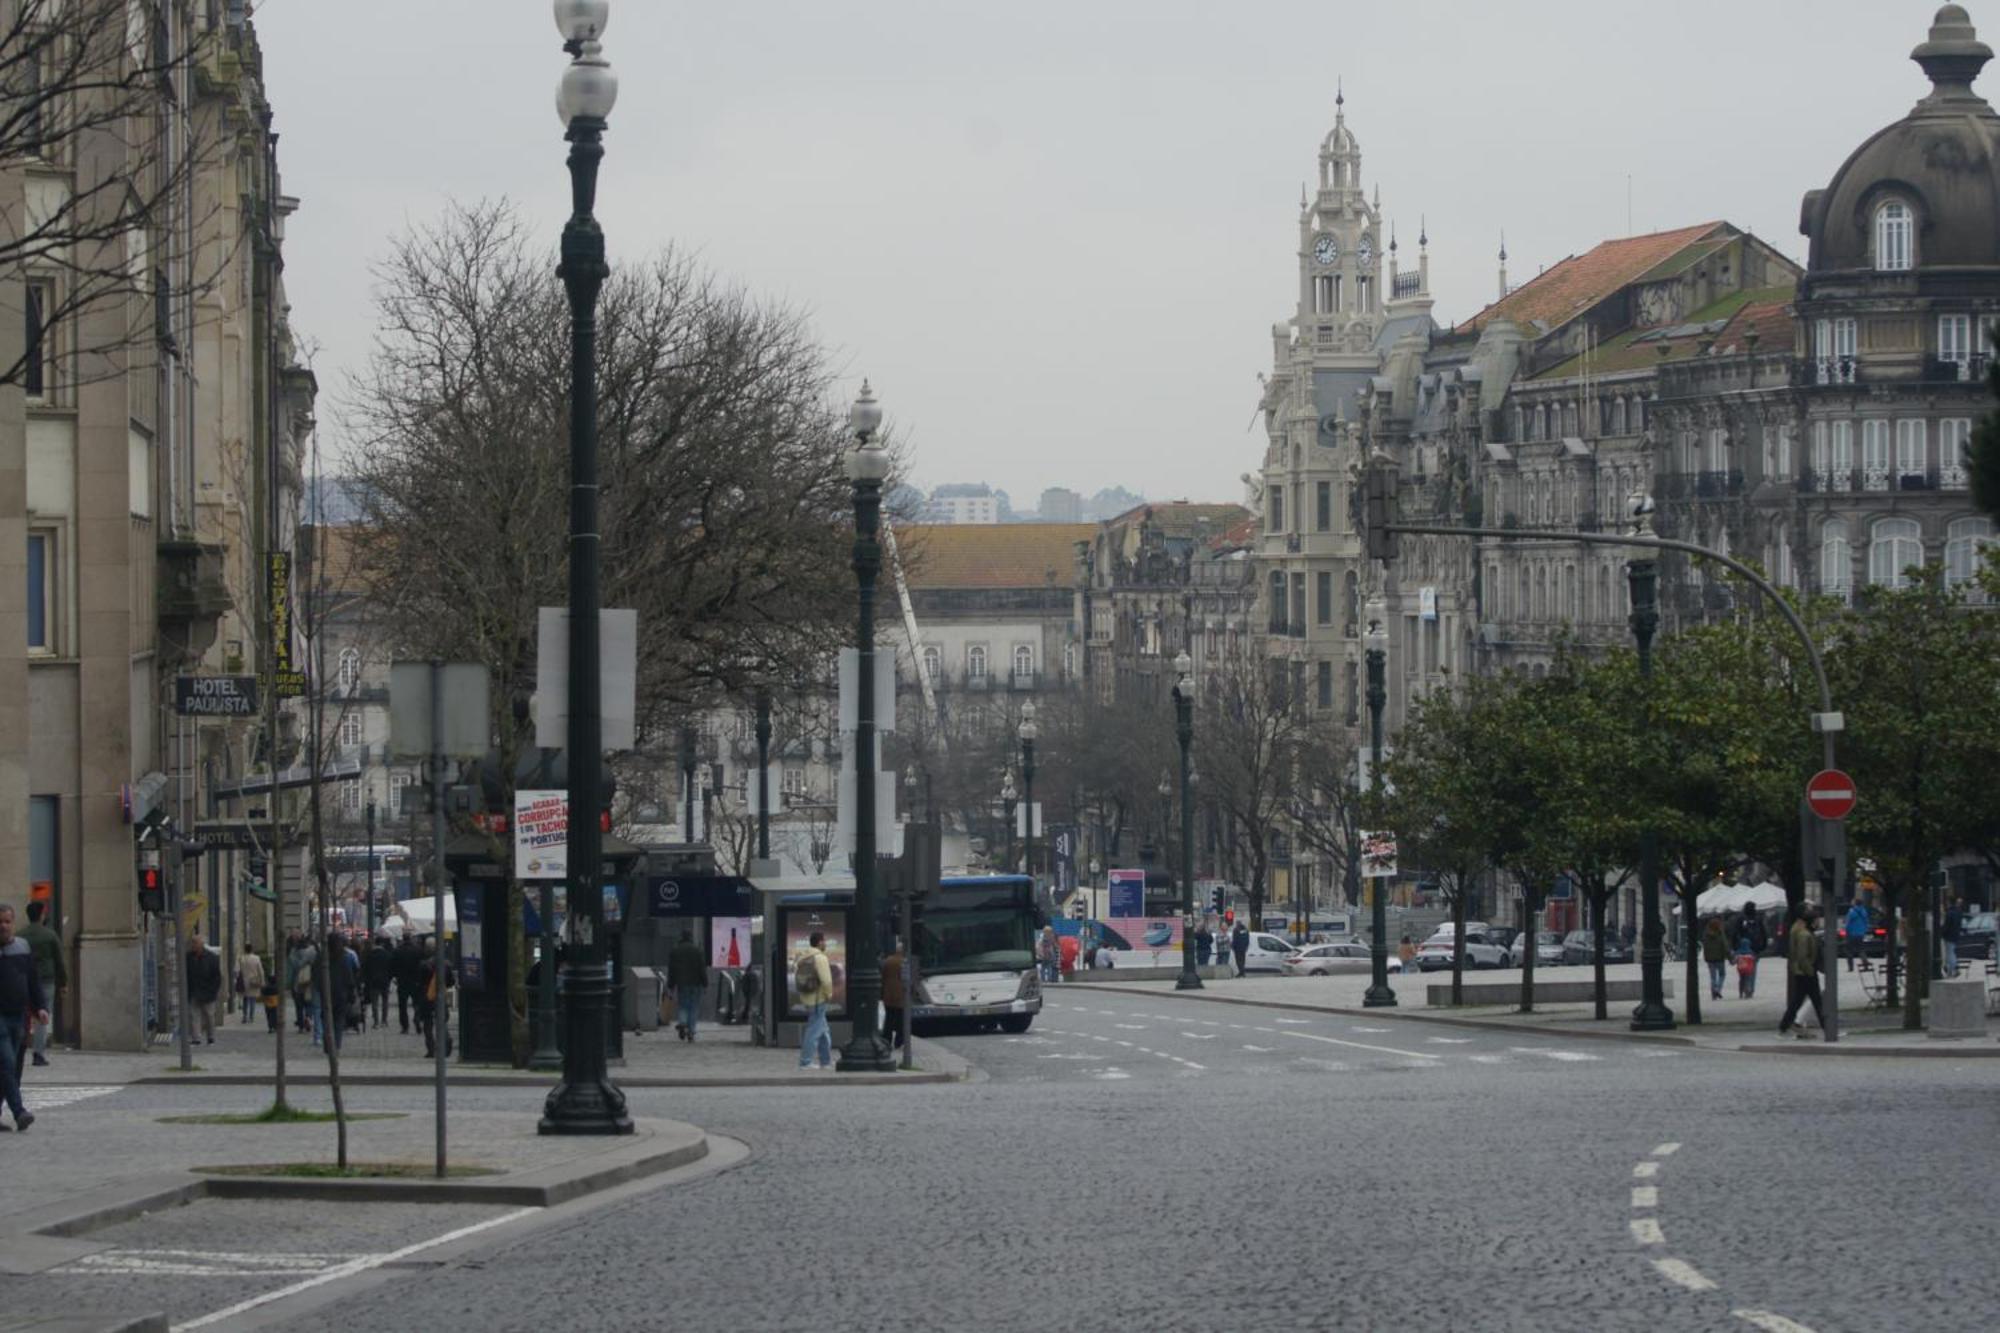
pixel 1055 233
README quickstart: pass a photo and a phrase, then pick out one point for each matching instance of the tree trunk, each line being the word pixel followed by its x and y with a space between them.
pixel 1530 917
pixel 1597 952
pixel 1690 949
pixel 1919 968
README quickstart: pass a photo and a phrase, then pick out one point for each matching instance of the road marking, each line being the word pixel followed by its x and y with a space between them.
pixel 1667 1149
pixel 1375 1031
pixel 353 1266
pixel 1683 1274
pixel 1771 1323
pixel 1659 1055
pixel 1071 1055
pixel 1199 1036
pixel 1363 1046
pixel 1261 1050
pixel 1121 1042
pixel 47 1097
pixel 1130 1027
pixel 1647 1231
pixel 1572 1057
pixel 1109 1074
pixel 1489 1059
pixel 1296 1022
pixel 1447 1041
pixel 1645 1196
pixel 1208 1022
pixel 206 1263
pixel 1645 1170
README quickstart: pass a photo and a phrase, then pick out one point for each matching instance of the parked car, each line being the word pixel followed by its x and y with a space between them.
pixel 1345 958
pixel 1435 953
pixel 1977 936
pixel 1268 952
pixel 1548 950
pixel 1875 946
pixel 1579 947
pixel 1504 936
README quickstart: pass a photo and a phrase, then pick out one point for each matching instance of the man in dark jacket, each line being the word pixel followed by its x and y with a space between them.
pixel 21 1003
pixel 408 972
pixel 687 979
pixel 204 983
pixel 1239 944
pixel 428 997
pixel 1949 933
pixel 378 970
pixel 47 948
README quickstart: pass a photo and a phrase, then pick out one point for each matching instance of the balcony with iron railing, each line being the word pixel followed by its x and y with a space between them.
pixel 1827 372
pixel 1969 369
pixel 1859 481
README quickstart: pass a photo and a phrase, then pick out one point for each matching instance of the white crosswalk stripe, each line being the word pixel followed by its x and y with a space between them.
pixel 46 1097
pixel 207 1263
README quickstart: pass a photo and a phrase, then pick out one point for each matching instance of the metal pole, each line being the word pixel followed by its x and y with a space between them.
pixel 369 892
pixel 440 960
pixel 909 969
pixel 548 1052
pixel 176 866
pixel 1028 809
pixel 763 775
pixel 1189 979
pixel 687 784
pixel 586 1101
pixel 1652 1015
pixel 866 1051
pixel 1379 995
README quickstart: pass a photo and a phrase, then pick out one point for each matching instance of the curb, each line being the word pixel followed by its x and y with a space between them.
pixel 1939 1052
pixel 138 1323
pixel 530 1081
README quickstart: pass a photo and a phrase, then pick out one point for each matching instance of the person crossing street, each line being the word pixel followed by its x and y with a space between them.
pixel 1803 959
pixel 22 1003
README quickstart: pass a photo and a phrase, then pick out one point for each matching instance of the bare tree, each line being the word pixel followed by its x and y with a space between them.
pixel 1251 730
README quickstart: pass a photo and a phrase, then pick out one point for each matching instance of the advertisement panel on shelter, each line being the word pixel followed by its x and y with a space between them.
pixel 471 938
pixel 541 834
pixel 729 941
pixel 800 926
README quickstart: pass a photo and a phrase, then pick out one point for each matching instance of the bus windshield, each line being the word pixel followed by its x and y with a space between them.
pixel 980 939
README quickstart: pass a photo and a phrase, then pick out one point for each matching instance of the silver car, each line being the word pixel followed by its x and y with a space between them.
pixel 1548 949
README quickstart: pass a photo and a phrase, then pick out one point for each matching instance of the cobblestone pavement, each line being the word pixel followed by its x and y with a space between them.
pixel 1132 1163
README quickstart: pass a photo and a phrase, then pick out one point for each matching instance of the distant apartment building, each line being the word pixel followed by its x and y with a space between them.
pixel 1059 504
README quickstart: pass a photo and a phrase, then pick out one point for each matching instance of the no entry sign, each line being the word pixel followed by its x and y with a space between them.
pixel 1830 794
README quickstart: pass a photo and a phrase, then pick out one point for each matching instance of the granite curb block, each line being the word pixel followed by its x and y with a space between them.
pixel 473 1080
pixel 140 1323
pixel 1545 1030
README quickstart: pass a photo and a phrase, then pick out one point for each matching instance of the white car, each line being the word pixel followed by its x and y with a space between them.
pixel 1343 958
pixel 1267 953
pixel 1435 953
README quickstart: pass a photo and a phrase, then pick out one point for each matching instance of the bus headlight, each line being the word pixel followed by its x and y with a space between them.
pixel 1030 988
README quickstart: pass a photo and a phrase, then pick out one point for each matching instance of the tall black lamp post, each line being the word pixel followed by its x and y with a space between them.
pixel 370 897
pixel 586 1101
pixel 1189 979
pixel 1007 798
pixel 1028 732
pixel 688 759
pixel 867 467
pixel 1379 995
pixel 1642 575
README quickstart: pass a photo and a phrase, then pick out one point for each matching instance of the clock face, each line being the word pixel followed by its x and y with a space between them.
pixel 1326 249
pixel 1365 251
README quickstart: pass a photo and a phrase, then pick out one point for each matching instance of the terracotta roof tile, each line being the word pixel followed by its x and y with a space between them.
pixel 1559 294
pixel 1720 323
pixel 991 555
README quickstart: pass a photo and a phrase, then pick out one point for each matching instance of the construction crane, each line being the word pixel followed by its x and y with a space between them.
pixel 924 682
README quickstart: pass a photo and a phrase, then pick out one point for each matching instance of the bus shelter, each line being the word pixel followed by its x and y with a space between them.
pixel 789 911
pixel 720 913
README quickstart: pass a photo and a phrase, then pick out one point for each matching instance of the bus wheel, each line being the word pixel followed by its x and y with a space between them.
pixel 1016 1023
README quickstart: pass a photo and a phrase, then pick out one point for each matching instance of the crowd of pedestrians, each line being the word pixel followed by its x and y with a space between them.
pixel 348 989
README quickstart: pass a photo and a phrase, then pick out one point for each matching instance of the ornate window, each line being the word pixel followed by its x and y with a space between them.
pixel 1894 545
pixel 975 662
pixel 1910 446
pixel 1875 454
pixel 1024 660
pixel 1836 568
pixel 1841 459
pixel 1964 541
pixel 1955 339
pixel 350 670
pixel 933 662
pixel 1954 435
pixel 350 730
pixel 1892 237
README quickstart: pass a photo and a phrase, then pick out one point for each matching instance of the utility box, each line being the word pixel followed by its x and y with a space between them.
pixel 1958 1008
pixel 642 999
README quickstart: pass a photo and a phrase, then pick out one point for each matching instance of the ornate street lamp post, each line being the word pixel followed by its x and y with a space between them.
pixel 763 774
pixel 1007 798
pixel 1189 979
pixel 1642 575
pixel 1028 733
pixel 867 468
pixel 1379 995
pixel 586 1101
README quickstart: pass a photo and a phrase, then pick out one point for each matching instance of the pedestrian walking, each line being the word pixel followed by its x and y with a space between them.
pixel 204 988
pixel 1204 945
pixel 1803 973
pixel 1746 969
pixel 1857 926
pixel 47 948
pixel 1714 952
pixel 23 1003
pixel 687 978
pixel 408 973
pixel 1239 945
pixel 1752 924
pixel 1068 949
pixel 378 973
pixel 436 977
pixel 812 982
pixel 250 980
pixel 894 993
pixel 1948 934
pixel 1407 952
pixel 1045 953
pixel 343 987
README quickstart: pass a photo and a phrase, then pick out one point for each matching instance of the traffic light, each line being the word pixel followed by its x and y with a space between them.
pixel 1215 900
pixel 152 889
pixel 1378 508
pixel 1229 917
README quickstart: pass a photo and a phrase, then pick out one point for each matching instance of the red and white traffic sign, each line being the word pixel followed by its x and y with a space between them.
pixel 1830 794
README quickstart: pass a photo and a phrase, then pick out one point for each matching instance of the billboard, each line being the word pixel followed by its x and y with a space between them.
pixel 1128 893
pixel 541 834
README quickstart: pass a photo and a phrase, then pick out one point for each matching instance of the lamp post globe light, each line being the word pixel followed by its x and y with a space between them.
pixel 585 1101
pixel 867 467
pixel 1642 577
pixel 1379 995
pixel 1028 732
pixel 1189 979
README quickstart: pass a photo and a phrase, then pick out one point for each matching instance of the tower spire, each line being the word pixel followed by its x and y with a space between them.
pixel 1503 264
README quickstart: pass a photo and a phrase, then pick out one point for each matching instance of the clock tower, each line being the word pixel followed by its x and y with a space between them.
pixel 1340 251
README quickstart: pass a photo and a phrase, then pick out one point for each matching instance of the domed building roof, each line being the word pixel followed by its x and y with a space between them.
pixel 1942 161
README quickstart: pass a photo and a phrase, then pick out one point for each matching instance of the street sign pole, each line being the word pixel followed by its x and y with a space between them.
pixel 1830 796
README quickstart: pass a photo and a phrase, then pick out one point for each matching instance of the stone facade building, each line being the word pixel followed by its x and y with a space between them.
pixel 1159 580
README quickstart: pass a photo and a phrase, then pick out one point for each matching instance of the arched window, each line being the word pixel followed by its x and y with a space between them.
pixel 1892 237
pixel 350 731
pixel 1024 661
pixel 1522 606
pixel 350 670
pixel 1541 611
pixel 1894 544
pixel 933 662
pixel 975 662
pixel 1964 540
pixel 1836 569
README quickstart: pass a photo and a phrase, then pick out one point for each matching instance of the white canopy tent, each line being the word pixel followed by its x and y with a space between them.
pixel 1732 898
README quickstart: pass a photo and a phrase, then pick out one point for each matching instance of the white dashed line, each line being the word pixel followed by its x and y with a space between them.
pixel 1771 1323
pixel 1647 1231
pixel 1569 1057
pixel 1261 1050
pixel 1489 1059
pixel 1645 1170
pixel 1645 1196
pixel 1362 1046
pixel 1659 1055
pixel 1296 1022
pixel 1683 1274
pixel 1199 1036
pixel 1109 1074
pixel 1666 1150
pixel 1130 1027
pixel 1447 1041
pixel 49 1096
pixel 1372 1031
pixel 1126 1044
